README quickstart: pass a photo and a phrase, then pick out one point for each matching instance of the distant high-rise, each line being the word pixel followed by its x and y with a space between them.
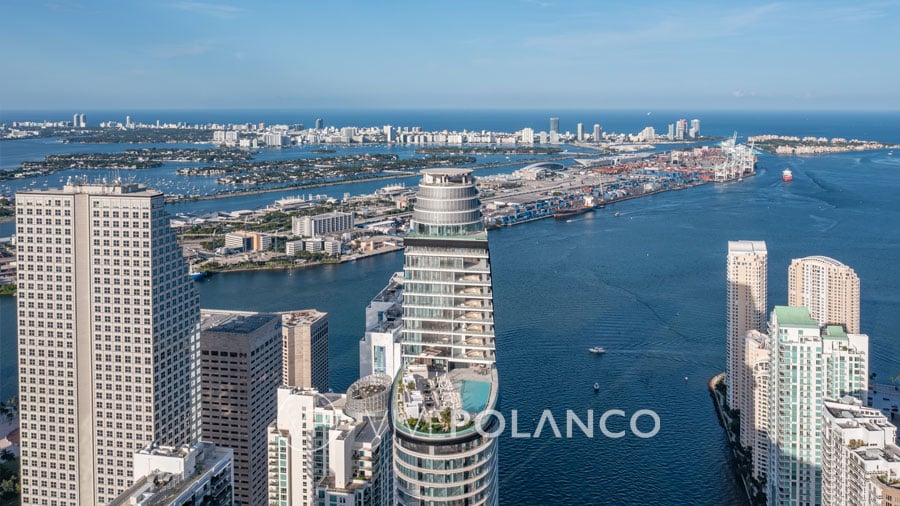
pixel 527 136
pixel 580 132
pixel 598 132
pixel 105 293
pixel 320 123
pixel 807 365
pixel 128 123
pixel 695 128
pixel 746 306
pixel 448 351
pixel 78 121
pixel 671 134
pixel 554 125
pixel 305 349
pixel 828 288
pixel 241 366
pixel 388 133
pixel 681 129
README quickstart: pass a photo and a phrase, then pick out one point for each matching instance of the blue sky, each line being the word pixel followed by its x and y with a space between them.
pixel 521 54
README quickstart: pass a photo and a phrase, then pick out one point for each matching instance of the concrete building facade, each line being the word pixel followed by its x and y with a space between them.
pixel 754 404
pixel 241 368
pixel 747 264
pixel 321 224
pixel 828 288
pixel 201 474
pixel 305 349
pixel 327 449
pixel 379 349
pixel 108 338
pixel 860 462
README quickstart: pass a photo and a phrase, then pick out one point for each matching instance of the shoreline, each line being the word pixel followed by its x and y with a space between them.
pixel 395 175
pixel 733 439
pixel 380 251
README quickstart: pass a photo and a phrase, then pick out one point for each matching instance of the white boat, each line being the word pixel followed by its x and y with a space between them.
pixel 599 350
pixel 596 387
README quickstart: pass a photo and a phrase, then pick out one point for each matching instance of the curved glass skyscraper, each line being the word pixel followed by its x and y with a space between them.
pixel 444 450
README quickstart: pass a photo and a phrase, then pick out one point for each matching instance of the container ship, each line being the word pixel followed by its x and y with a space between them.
pixel 787 175
pixel 587 205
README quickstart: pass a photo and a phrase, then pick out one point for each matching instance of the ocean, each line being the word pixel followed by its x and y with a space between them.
pixel 649 286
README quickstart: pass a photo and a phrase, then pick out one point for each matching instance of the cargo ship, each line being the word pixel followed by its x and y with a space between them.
pixel 587 205
pixel 787 175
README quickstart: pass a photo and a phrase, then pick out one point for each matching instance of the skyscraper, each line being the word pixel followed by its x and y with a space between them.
pixel 554 125
pixel 580 132
pixel 828 288
pixel 443 454
pixel 746 295
pixel 240 356
pixel 305 349
pixel 108 339
pixel 681 129
pixel 320 123
pixel 598 132
pixel 808 365
pixel 695 128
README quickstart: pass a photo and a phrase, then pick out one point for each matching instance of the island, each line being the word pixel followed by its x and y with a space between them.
pixel 792 145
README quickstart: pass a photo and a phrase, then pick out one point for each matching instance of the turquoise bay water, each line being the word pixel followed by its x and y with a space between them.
pixel 649 287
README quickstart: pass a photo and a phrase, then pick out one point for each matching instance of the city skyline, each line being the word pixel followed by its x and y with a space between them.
pixel 504 55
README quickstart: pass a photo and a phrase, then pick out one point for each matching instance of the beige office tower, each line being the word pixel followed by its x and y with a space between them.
pixel 754 402
pixel 108 339
pixel 828 288
pixel 240 356
pixel 746 295
pixel 305 349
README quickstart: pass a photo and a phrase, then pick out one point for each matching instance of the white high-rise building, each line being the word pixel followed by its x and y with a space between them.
pixel 388 133
pixel 527 136
pixel 579 128
pixel 449 372
pixel 321 224
pixel 598 132
pixel 327 449
pixel 379 349
pixel 108 339
pixel 747 262
pixel 828 288
pixel 860 462
pixel 694 131
pixel 807 366
pixel 754 402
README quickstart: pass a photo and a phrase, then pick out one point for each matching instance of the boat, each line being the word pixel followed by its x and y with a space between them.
pixel 587 205
pixel 196 274
pixel 599 350
pixel 596 387
pixel 787 175
pixel 617 214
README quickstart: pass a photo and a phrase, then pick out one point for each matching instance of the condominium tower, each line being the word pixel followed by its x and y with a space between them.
pixel 828 288
pixel 442 452
pixel 860 461
pixel 746 296
pixel 754 401
pixel 108 324
pixel 807 365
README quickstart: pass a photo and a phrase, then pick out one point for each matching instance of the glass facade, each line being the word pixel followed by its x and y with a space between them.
pixel 448 325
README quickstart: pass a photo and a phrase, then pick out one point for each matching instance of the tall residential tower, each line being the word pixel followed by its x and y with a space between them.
pixel 443 454
pixel 108 339
pixel 828 288
pixel 746 273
